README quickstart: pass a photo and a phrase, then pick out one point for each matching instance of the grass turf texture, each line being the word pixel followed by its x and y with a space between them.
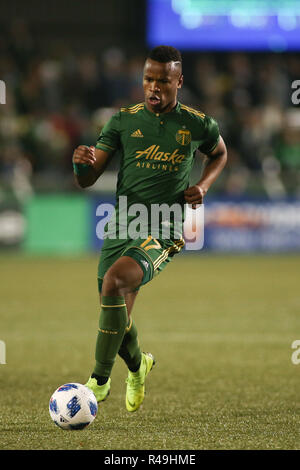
pixel 220 327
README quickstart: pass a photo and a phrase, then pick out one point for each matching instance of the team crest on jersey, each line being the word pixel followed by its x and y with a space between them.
pixel 183 136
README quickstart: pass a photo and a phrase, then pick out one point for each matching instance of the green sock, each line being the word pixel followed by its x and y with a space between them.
pixel 130 350
pixel 112 325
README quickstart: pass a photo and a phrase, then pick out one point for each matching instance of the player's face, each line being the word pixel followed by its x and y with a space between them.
pixel 161 82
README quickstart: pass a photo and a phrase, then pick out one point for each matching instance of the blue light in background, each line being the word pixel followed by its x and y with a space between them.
pixel 270 25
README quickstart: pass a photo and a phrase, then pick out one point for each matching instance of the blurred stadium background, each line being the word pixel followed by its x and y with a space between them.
pixel 67 68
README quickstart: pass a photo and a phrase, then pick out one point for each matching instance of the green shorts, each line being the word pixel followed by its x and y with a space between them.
pixel 151 254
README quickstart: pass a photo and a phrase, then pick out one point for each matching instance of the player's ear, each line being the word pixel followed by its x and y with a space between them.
pixel 180 81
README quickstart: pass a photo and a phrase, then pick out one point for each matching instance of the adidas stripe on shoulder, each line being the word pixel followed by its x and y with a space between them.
pixel 192 111
pixel 133 109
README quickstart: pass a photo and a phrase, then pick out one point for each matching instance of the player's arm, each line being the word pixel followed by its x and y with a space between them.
pixel 216 161
pixel 89 163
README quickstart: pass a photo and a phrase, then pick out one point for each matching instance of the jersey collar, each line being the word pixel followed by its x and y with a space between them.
pixel 155 115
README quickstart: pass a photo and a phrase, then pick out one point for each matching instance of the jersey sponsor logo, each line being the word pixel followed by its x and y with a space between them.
pixel 183 136
pixel 153 153
pixel 157 166
pixel 137 133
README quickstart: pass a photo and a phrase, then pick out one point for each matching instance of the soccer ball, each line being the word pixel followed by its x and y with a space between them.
pixel 73 406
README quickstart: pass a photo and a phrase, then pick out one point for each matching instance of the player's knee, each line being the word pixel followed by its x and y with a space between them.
pixel 114 284
pixel 122 277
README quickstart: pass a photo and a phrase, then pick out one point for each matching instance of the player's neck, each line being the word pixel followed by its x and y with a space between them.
pixel 167 109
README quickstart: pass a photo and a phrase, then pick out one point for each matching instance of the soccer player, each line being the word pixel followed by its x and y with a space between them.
pixel 157 140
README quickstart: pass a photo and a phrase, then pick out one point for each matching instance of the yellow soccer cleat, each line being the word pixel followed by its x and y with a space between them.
pixel 101 392
pixel 135 391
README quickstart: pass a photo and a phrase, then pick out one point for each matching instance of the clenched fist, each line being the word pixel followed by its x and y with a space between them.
pixel 84 155
pixel 194 195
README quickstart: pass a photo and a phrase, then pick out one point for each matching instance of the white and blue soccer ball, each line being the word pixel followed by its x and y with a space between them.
pixel 73 406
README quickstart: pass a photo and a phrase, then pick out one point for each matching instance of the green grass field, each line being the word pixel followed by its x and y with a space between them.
pixel 220 327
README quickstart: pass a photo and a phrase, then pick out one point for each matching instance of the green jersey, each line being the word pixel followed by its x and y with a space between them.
pixel 157 151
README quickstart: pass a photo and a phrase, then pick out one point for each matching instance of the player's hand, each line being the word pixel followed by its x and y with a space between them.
pixel 194 195
pixel 84 155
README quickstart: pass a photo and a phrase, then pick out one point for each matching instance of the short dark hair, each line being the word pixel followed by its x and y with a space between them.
pixel 165 54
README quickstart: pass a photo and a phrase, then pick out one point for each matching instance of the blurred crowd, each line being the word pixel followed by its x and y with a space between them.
pixel 57 99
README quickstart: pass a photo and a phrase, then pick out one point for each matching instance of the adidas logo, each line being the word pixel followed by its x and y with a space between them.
pixel 145 263
pixel 137 133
